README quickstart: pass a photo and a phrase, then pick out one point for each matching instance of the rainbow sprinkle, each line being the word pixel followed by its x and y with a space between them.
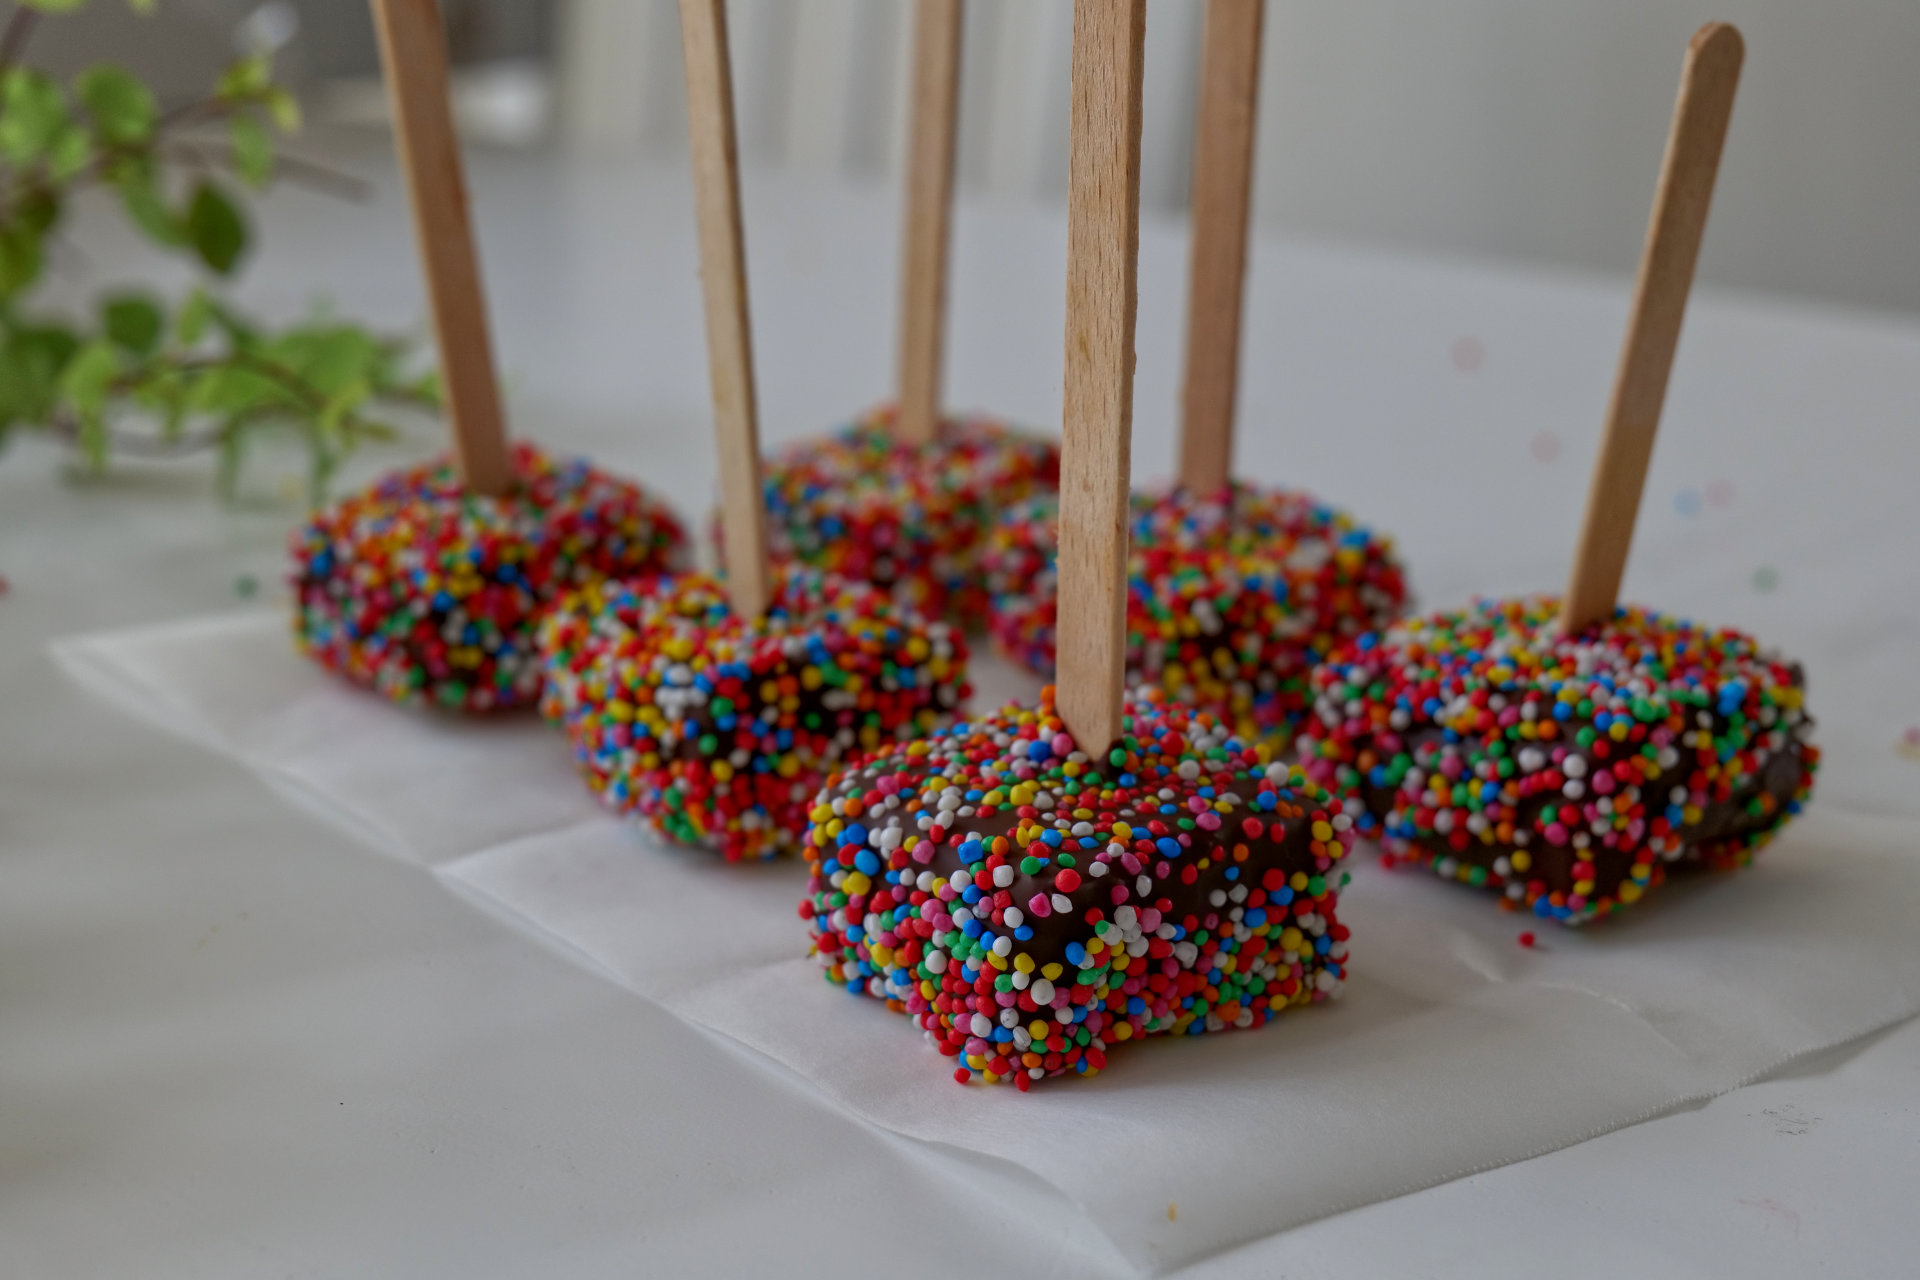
pixel 1567 773
pixel 720 731
pixel 429 594
pixel 1030 906
pixel 860 505
pixel 1233 598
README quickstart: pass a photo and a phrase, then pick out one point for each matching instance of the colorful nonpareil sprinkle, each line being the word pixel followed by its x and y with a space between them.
pixel 1566 773
pixel 861 505
pixel 720 730
pixel 1232 597
pixel 1031 904
pixel 429 594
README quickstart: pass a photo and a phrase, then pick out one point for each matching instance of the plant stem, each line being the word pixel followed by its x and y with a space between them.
pixel 19 29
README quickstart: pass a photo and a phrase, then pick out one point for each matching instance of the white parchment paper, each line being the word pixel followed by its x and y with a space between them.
pixel 1455 1048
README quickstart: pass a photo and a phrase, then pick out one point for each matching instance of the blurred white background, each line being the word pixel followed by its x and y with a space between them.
pixel 1523 129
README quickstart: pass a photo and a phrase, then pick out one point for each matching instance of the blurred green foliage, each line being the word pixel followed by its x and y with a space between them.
pixel 139 376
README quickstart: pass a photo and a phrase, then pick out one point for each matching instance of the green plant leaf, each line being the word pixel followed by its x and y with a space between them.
pixel 37 211
pixel 33 115
pixel 85 380
pixel 282 108
pixel 246 79
pixel 31 361
pixel 190 323
pixel 146 207
pixel 69 153
pixel 121 107
pixel 19 259
pixel 331 358
pixel 215 228
pixel 228 389
pixel 252 150
pixel 133 322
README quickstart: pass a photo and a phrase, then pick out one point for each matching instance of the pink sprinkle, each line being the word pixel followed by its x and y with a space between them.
pixel 1556 833
pixel 1208 821
pixel 1039 906
pixel 1062 745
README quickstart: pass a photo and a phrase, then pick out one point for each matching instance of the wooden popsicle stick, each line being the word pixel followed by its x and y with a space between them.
pixel 1103 243
pixel 1700 115
pixel 723 281
pixel 929 216
pixel 1222 197
pixel 413 49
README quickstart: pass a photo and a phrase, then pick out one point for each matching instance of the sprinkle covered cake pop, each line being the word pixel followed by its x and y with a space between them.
pixel 909 518
pixel 718 729
pixel 1568 753
pixel 714 709
pixel 1031 907
pixel 1235 590
pixel 904 496
pixel 1231 599
pixel 427 586
pixel 1566 772
pixel 1039 885
pixel 428 593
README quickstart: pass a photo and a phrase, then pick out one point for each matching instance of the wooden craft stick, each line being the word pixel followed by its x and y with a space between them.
pixel 1103 242
pixel 413 49
pixel 929 215
pixel 723 281
pixel 1707 82
pixel 1222 196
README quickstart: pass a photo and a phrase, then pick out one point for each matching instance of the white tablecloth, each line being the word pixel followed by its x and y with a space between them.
pixel 232 1046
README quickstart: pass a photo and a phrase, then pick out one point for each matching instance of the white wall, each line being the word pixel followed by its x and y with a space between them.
pixel 1522 128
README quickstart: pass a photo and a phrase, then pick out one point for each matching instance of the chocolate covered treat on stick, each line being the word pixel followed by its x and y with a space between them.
pixel 903 497
pixel 1568 753
pixel 1236 590
pixel 427 587
pixel 713 709
pixel 1039 885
